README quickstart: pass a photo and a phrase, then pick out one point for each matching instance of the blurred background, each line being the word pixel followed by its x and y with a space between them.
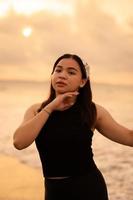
pixel 33 34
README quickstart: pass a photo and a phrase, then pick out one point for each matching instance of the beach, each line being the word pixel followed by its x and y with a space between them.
pixel 19 181
pixel 20 171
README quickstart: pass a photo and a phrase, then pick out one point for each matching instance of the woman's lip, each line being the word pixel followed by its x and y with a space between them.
pixel 60 83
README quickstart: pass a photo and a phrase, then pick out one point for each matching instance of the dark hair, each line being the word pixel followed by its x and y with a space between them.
pixel 87 107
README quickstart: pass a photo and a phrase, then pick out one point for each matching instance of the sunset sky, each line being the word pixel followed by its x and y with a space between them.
pixel 33 33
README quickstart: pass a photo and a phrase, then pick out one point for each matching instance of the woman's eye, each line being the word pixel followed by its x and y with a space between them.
pixel 58 70
pixel 71 73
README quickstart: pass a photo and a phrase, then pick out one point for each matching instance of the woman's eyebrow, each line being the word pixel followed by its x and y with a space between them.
pixel 73 68
pixel 70 68
pixel 59 66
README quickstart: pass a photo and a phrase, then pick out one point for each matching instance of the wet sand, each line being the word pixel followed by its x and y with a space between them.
pixel 19 181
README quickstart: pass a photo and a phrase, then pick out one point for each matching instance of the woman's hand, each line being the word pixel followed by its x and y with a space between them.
pixel 62 101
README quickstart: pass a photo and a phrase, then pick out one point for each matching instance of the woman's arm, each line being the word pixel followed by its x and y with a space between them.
pixel 108 127
pixel 30 127
pixel 33 122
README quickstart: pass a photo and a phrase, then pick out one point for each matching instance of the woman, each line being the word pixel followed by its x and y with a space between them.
pixel 62 128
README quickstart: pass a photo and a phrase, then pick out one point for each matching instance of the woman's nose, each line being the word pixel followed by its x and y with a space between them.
pixel 63 74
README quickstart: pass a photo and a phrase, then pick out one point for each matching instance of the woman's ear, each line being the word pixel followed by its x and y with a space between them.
pixel 83 82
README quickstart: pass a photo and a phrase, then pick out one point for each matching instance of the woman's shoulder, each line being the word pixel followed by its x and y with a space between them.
pixel 33 108
pixel 31 112
pixel 99 107
pixel 101 111
pixel 36 106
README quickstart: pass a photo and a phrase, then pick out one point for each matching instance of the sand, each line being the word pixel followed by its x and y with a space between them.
pixel 19 181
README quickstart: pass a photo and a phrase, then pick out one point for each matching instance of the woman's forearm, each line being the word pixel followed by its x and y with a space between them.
pixel 28 131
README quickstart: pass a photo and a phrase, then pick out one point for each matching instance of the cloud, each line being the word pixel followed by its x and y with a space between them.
pixel 90 32
pixel 49 31
pixel 108 43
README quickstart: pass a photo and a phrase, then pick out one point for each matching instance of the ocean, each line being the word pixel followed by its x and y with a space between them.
pixel 114 160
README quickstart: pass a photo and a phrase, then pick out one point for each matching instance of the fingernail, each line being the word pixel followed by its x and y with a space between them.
pixel 77 92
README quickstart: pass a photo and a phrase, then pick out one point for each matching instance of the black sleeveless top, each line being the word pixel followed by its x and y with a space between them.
pixel 64 144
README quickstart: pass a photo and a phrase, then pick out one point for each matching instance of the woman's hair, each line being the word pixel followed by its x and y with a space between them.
pixel 87 107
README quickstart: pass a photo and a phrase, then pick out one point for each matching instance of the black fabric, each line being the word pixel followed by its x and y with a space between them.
pixel 87 187
pixel 64 144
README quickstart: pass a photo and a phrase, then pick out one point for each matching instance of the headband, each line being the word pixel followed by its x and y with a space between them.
pixel 87 68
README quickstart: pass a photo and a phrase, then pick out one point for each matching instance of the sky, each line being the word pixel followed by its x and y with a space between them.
pixel 34 33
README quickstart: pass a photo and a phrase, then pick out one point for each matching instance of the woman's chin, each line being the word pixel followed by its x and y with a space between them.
pixel 61 91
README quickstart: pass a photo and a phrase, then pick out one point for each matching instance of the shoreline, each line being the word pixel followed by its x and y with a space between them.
pixel 19 181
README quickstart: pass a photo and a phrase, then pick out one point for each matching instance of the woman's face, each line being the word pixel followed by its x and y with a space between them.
pixel 67 76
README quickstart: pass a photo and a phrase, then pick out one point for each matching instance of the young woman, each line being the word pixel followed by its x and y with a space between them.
pixel 62 128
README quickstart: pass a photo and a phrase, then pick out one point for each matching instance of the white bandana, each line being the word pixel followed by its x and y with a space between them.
pixel 87 68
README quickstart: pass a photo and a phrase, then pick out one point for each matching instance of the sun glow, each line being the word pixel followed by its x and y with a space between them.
pixel 4 8
pixel 28 7
pixel 27 31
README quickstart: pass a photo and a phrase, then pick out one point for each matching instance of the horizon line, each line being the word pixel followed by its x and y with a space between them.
pixel 46 81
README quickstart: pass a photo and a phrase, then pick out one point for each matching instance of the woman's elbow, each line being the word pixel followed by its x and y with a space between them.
pixel 18 145
pixel 18 142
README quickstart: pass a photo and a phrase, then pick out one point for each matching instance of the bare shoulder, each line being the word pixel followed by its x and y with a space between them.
pixel 31 112
pixel 101 111
pixel 33 108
